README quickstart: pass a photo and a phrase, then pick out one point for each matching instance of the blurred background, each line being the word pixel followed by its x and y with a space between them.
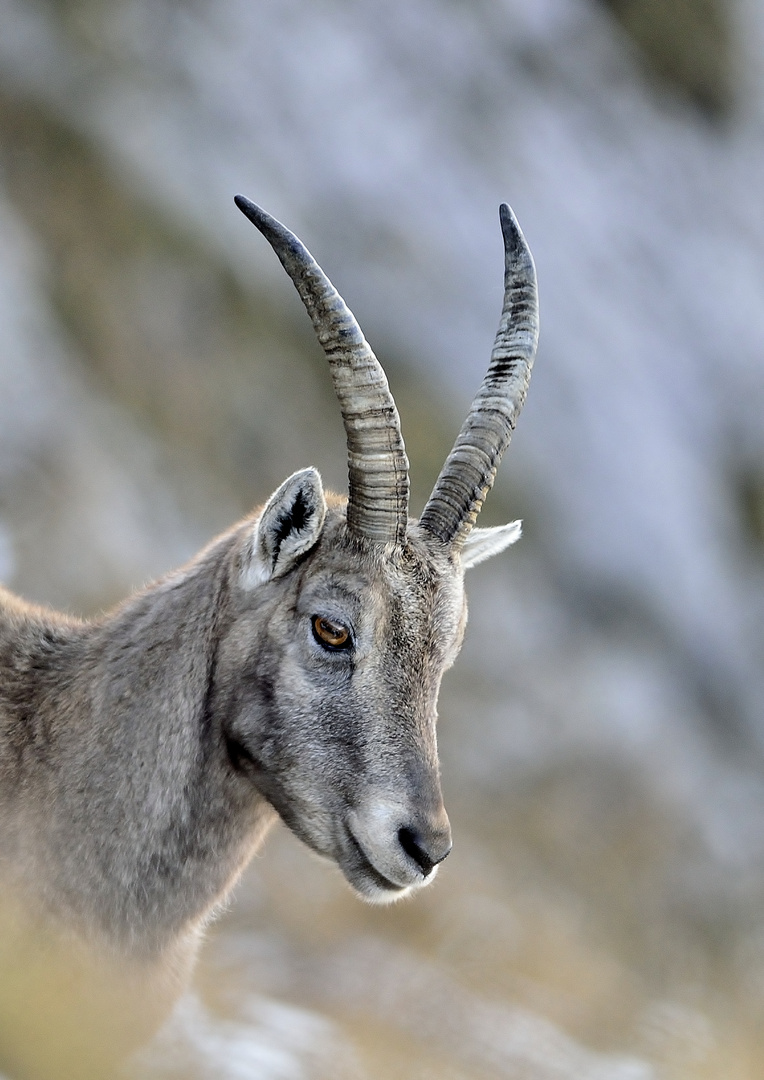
pixel 602 735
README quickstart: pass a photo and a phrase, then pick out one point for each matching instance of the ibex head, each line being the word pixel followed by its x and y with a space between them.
pixel 348 611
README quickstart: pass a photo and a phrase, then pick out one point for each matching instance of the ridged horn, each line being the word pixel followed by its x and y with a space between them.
pixel 378 469
pixel 470 469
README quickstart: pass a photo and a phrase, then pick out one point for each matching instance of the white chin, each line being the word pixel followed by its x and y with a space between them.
pixel 373 893
pixel 381 897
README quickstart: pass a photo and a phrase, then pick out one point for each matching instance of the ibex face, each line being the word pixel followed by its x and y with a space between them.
pixel 328 685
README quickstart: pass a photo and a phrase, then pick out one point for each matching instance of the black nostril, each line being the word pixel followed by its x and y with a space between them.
pixel 414 848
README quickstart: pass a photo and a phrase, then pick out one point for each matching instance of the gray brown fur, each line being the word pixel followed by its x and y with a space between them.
pixel 141 755
pixel 144 755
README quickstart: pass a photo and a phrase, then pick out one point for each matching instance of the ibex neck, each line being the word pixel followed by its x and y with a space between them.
pixel 108 744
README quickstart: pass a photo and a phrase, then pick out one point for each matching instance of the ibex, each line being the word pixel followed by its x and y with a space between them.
pixel 291 669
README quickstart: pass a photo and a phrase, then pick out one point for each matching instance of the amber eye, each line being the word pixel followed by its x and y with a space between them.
pixel 330 634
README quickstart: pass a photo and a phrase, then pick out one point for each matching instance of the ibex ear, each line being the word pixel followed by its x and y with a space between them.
pixel 289 526
pixel 483 543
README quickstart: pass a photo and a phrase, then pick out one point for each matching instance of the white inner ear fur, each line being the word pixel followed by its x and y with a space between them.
pixel 481 544
pixel 290 524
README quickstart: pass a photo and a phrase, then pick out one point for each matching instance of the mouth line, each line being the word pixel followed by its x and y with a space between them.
pixel 369 869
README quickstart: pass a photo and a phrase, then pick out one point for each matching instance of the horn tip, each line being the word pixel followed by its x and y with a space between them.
pixel 515 244
pixel 255 213
pixel 509 226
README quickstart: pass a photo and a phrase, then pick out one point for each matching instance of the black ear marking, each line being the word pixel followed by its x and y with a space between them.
pixel 288 528
pixel 293 519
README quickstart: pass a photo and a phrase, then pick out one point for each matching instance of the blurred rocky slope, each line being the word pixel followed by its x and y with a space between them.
pixel 603 732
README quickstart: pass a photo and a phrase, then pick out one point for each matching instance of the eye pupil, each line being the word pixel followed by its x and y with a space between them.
pixel 330 633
